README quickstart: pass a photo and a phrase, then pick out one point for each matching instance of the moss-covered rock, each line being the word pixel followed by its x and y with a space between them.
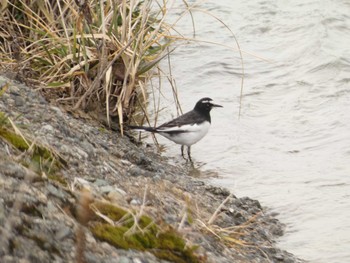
pixel 39 158
pixel 161 240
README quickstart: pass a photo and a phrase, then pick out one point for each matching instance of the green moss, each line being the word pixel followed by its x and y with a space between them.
pixel 102 129
pixel 164 242
pixel 14 139
pixel 39 159
pixel 3 119
pixel 189 216
pixel 113 212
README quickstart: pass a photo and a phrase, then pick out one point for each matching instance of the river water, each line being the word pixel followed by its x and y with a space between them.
pixel 290 148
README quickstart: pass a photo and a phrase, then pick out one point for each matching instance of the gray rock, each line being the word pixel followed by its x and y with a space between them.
pixel 106 189
pixel 135 171
pixel 123 259
pixel 48 128
pixel 135 202
pixel 63 232
pixel 55 192
pixel 19 101
pixel 57 111
pixel 13 170
pixel 88 148
pixel 100 182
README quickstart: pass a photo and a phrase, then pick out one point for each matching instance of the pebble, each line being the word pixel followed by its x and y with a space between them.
pixel 81 154
pixel 120 191
pixel 57 111
pixel 135 171
pixel 135 202
pixel 48 128
pixel 106 189
pixel 123 259
pixel 19 101
pixel 114 195
pixel 51 208
pixel 100 182
pixel 55 192
pixel 13 170
pixel 63 233
pixel 88 148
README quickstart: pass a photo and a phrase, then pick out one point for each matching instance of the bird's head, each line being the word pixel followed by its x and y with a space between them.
pixel 205 105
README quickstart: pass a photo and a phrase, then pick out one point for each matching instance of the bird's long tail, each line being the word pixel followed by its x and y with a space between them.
pixel 142 128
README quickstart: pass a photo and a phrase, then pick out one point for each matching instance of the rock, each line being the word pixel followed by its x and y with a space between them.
pixel 100 182
pixel 57 111
pixel 48 128
pixel 13 170
pixel 88 148
pixel 115 195
pixel 136 260
pixel 106 189
pixel 135 202
pixel 63 232
pixel 123 259
pixel 217 190
pixel 55 192
pixel 135 171
pixel 120 191
pixel 19 101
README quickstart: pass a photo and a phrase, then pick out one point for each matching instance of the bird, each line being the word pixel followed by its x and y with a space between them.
pixel 186 129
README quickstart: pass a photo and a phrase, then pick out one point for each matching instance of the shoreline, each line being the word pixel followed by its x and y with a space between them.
pixel 37 218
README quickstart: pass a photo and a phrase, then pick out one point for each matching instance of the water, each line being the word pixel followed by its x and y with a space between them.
pixel 290 149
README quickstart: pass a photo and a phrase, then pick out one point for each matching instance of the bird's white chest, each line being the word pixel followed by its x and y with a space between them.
pixel 191 133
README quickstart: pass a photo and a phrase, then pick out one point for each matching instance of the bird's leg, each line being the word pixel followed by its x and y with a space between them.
pixel 182 151
pixel 189 153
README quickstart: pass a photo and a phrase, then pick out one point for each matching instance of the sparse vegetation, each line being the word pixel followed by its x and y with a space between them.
pixel 118 227
pixel 94 55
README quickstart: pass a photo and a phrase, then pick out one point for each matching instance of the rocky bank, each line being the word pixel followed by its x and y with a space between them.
pixel 53 214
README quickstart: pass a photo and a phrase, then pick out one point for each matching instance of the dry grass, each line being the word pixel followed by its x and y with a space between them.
pixel 85 53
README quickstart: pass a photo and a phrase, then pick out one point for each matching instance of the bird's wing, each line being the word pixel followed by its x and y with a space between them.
pixel 184 123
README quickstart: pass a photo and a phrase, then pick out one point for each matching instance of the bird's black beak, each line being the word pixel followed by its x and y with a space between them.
pixel 216 105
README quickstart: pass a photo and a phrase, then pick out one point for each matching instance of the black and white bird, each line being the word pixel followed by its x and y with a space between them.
pixel 188 128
